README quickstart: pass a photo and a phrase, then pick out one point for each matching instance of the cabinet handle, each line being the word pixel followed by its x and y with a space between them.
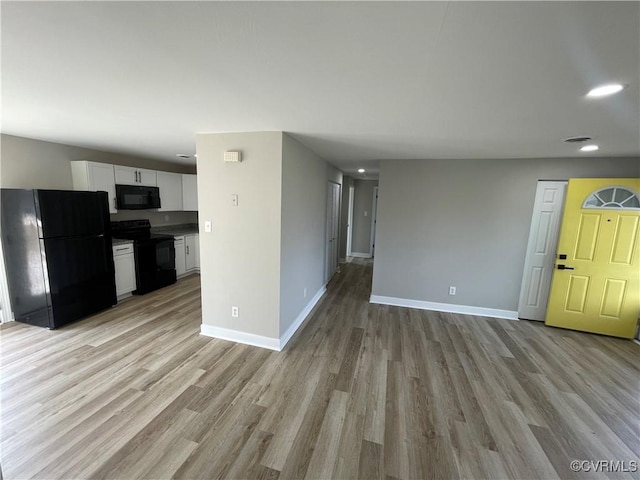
pixel 137 176
pixel 187 249
pixel 115 203
pixel 121 249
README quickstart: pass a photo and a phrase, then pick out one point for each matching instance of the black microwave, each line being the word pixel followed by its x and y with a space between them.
pixel 130 197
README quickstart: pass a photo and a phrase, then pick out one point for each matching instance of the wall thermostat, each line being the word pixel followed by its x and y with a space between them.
pixel 233 156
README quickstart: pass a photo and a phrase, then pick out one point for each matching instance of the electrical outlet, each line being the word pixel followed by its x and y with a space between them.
pixel 452 290
pixel 305 292
pixel 166 218
pixel 234 312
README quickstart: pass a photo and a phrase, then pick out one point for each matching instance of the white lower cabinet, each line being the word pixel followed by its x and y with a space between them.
pixel 197 249
pixel 125 269
pixel 187 253
pixel 190 252
pixel 180 256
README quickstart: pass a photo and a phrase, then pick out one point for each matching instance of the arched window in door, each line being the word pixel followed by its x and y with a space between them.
pixel 613 197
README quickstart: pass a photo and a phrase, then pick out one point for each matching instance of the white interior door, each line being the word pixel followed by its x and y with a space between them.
pixel 333 224
pixel 374 214
pixel 541 250
pixel 350 220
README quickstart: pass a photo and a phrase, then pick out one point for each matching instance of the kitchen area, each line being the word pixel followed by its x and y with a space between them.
pixel 120 231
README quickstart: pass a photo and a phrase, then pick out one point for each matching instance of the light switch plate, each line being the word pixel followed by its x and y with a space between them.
pixel 207 226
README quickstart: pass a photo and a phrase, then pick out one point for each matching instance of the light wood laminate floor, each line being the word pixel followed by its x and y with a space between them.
pixel 363 391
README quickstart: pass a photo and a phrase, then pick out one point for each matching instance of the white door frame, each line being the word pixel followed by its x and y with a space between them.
pixel 333 223
pixel 374 214
pixel 546 218
pixel 350 219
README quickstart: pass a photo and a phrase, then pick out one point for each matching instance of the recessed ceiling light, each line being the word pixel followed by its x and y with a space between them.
pixel 361 170
pixel 604 90
pixel 589 148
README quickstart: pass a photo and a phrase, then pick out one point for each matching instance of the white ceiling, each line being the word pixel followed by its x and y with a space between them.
pixel 355 82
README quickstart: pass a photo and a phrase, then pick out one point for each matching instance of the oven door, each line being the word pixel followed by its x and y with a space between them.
pixel 166 255
pixel 155 264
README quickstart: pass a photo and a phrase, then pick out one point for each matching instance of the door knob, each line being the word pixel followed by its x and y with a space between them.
pixel 563 267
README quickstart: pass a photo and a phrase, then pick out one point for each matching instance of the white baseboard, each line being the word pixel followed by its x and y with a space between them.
pixel 270 343
pixel 240 337
pixel 360 255
pixel 445 307
pixel 301 317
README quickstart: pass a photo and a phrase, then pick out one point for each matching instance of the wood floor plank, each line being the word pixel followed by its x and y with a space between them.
pixel 361 391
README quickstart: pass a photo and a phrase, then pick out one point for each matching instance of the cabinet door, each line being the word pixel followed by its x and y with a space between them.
pixel 190 253
pixel 170 185
pixel 125 274
pixel 181 268
pixel 189 193
pixel 126 175
pixel 101 179
pixel 148 178
pixel 197 250
pixel 135 176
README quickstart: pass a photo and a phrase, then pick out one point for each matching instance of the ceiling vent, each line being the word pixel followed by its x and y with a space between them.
pixel 577 139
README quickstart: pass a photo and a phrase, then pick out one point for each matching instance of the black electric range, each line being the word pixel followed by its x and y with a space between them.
pixel 155 255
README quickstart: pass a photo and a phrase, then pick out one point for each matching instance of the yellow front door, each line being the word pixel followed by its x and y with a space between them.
pixel 596 281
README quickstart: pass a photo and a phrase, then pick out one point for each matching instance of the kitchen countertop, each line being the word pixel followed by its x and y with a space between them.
pixel 177 230
pixel 120 241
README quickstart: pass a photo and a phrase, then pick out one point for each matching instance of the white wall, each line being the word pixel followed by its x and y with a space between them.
pixel 240 258
pixel 465 223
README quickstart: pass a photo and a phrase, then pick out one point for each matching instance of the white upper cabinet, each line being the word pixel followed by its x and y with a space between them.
pixel 178 192
pixel 95 177
pixel 135 176
pixel 189 193
pixel 170 185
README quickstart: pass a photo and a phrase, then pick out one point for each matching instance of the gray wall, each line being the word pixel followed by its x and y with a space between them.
pixel 240 258
pixel 262 254
pixel 344 216
pixel 362 206
pixel 29 163
pixel 302 250
pixel 465 223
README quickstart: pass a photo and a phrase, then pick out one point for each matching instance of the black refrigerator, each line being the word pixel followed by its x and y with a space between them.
pixel 58 256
